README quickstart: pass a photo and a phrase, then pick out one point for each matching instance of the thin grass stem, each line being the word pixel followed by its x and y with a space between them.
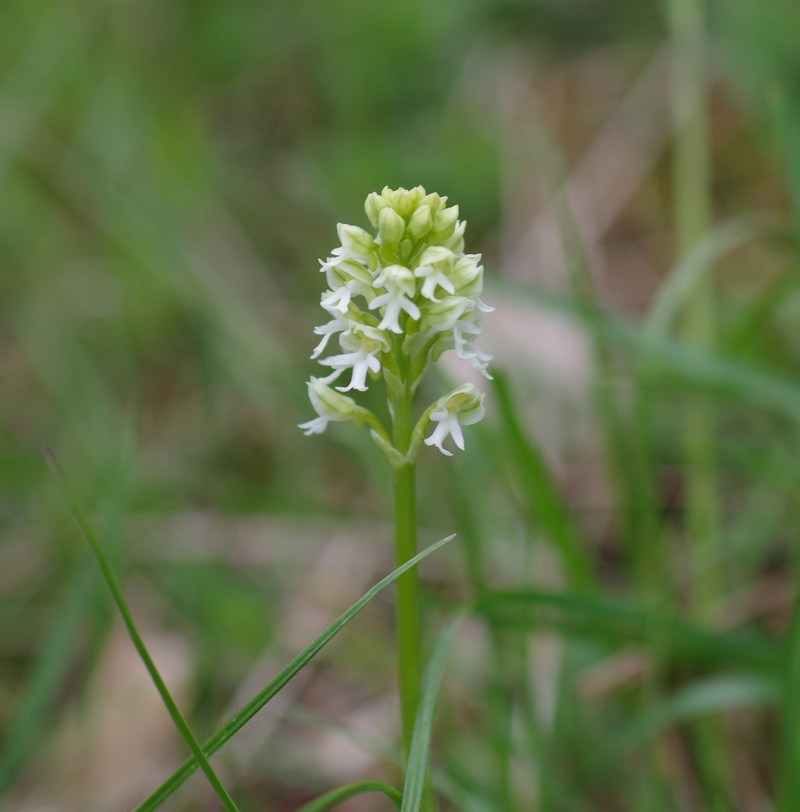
pixel 116 593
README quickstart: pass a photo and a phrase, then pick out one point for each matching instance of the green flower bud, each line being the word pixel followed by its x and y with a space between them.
pixel 373 206
pixel 444 223
pixel 401 201
pixel 406 247
pixel 391 226
pixel 434 202
pixel 355 241
pixel 416 195
pixel 467 276
pixel 329 403
pixel 455 242
pixel 420 223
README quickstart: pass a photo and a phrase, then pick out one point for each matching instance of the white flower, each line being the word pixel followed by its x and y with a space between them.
pixel 363 344
pixel 337 257
pixel 328 405
pixel 339 299
pixel 315 426
pixel 339 324
pixel 443 314
pixel 347 277
pixel 399 284
pixel 462 407
pixel 435 263
pixel 465 332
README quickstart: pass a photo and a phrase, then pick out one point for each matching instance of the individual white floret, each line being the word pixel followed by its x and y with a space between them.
pixel 462 407
pixel 399 284
pixel 466 332
pixel 328 405
pixel 338 324
pixel 363 345
pixel 435 266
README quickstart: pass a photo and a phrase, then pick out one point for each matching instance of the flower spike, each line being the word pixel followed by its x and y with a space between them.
pixel 396 298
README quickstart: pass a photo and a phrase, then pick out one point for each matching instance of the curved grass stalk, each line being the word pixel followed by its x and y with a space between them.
pixel 336 796
pixel 243 716
pixel 116 593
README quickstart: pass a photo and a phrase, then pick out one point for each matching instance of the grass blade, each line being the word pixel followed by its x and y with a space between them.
pixel 603 619
pixel 336 796
pixel 789 776
pixel 49 673
pixel 541 493
pixel 243 716
pixel 116 592
pixel 417 770
pixel 709 371
pixel 696 265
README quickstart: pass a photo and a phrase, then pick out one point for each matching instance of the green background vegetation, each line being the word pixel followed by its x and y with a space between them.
pixel 628 512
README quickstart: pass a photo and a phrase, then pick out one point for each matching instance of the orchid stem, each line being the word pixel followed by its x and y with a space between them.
pixel 407 601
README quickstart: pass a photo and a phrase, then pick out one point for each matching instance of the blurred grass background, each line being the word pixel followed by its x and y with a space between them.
pixel 172 171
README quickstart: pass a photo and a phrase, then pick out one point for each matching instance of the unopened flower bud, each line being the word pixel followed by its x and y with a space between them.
pixel 434 202
pixel 355 241
pixel 455 242
pixel 444 223
pixel 373 206
pixel 467 276
pixel 391 226
pixel 329 403
pixel 401 202
pixel 420 223
pixel 406 247
pixel 415 195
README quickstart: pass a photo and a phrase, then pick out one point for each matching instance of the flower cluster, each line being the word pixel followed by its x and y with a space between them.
pixel 397 298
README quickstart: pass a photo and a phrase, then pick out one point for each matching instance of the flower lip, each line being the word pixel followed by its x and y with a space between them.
pixel 363 344
pixel 399 283
pixel 462 407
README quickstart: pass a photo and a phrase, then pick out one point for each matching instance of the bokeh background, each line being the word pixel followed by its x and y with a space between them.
pixel 170 174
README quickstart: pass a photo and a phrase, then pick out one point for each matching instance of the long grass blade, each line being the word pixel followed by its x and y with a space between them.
pixel 48 675
pixel 708 371
pixel 243 716
pixel 116 592
pixel 541 493
pixel 606 620
pixel 789 776
pixel 336 796
pixel 695 265
pixel 417 769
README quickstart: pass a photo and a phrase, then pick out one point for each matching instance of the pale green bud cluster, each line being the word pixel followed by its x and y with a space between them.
pixel 398 297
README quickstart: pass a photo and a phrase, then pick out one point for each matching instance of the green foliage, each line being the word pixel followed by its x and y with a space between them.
pixel 171 172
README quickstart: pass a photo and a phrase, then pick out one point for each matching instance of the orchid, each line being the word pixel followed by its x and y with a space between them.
pixel 396 299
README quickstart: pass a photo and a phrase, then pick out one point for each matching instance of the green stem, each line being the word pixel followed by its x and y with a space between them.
pixel 409 657
pixel 407 601
pixel 122 605
pixel 692 201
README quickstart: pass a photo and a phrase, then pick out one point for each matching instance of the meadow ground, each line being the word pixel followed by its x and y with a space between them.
pixel 627 513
